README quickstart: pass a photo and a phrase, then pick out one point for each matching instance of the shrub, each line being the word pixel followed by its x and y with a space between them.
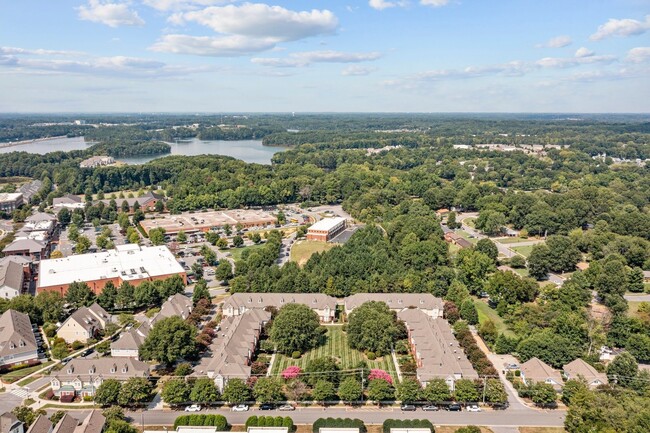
pixel 251 421
pixel 218 421
pixel 407 423
pixel 340 423
pixel 183 369
pixel 469 429
pixel 291 372
pixel 76 345
pixel 287 421
pixel 371 356
pixel 296 354
pixel 376 373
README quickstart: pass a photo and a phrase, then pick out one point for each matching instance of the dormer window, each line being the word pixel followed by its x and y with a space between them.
pixel 399 301
pixel 22 343
pixel 12 345
pixel 125 368
pixel 70 370
pixel 113 368
pixel 92 370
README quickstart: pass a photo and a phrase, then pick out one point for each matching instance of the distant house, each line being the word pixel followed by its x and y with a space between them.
pixel 535 370
pixel 97 161
pixel 10 424
pixel 93 423
pixel 84 323
pixel 17 341
pixel 440 213
pixel 68 201
pixel 582 266
pixel 30 189
pixel 10 201
pixel 426 302
pixel 457 239
pixel 147 202
pixel 14 272
pixel 82 377
pixel 238 303
pixel 34 249
pixel 507 231
pixel 128 345
pixel 580 369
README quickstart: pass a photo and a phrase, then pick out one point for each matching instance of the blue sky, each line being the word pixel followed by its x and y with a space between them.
pixel 364 55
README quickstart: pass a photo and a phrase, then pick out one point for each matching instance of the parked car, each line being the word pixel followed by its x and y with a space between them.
pixel 430 408
pixel 87 352
pixel 287 407
pixel 407 408
pixel 267 406
pixel 500 406
pixel 240 408
pixel 454 407
pixel 193 408
pixel 473 408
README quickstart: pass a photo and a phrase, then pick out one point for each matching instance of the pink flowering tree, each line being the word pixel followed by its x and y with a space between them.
pixel 376 373
pixel 291 372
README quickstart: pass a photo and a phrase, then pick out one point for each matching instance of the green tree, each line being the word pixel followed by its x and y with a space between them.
pixel 176 391
pixel 268 390
pixel 495 391
pixel 324 368
pixel 468 312
pixel 26 414
pixel 200 291
pixel 83 244
pixel 237 241
pixel 197 268
pixel 181 237
pixel 552 348
pixel 488 248
pixel 466 391
pixel 64 217
pixel 108 297
pixel 639 346
pixel 56 416
pixel 296 328
pixel 451 221
pixel 79 295
pixel 50 304
pixel 491 222
pixel 223 271
pixel 380 390
pixel 236 392
pixel 488 331
pixel 623 369
pixel 510 288
pixel 538 262
pixel 457 292
pixel 227 229
pixel 222 243
pixel 635 280
pixel 157 236
pixel 170 339
pixel 437 391
pixel 73 232
pixel 473 267
pixel 136 390
pixel 113 413
pixel 372 326
pixel 518 262
pixel 108 392
pixel 543 394
pixel 573 387
pixel 350 390
pixel 204 391
pixel 408 390
pixel 183 369
pixel 562 254
pixel 323 391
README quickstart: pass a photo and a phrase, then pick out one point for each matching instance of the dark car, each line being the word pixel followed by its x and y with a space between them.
pixel 408 408
pixel 267 406
pixel 87 352
pixel 500 406
pixel 454 407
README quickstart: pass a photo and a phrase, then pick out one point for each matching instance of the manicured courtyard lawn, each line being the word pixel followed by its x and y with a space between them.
pixel 13 376
pixel 487 313
pixel 337 347
pixel 524 250
pixel 237 252
pixel 302 250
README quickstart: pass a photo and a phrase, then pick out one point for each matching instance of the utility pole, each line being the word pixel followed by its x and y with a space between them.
pixel 484 387
pixel 361 375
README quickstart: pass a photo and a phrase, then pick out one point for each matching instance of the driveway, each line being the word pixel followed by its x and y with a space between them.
pixel 637 297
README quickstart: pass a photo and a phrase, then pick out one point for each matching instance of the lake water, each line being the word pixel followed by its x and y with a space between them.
pixel 246 150
pixel 50 145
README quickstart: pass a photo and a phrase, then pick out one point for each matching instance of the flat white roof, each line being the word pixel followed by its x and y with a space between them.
pixel 268 429
pixel 327 224
pixel 338 430
pixel 128 262
pixel 410 430
pixel 10 196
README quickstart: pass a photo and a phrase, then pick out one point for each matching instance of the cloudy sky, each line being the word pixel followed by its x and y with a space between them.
pixel 334 55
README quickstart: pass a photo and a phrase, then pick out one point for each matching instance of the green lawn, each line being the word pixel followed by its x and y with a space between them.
pixel 522 271
pixel 524 250
pixel 302 250
pixel 237 252
pixel 470 222
pixel 13 376
pixel 337 347
pixel 487 313
pixel 513 240
pixel 465 235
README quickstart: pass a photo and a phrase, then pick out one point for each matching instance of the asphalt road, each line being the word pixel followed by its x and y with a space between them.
pixel 638 297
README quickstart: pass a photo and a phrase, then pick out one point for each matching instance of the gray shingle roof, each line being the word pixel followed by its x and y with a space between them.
pixel 578 367
pixel 11 272
pixel 107 368
pixel 16 335
pixel 317 301
pixel 396 301
pixel 537 370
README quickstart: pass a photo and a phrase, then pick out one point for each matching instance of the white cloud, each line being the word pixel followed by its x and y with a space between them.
pixel 308 57
pixel 638 55
pixel 264 21
pixel 56 62
pixel 583 52
pixel 110 14
pixel 357 71
pixel 434 3
pixel 622 28
pixel 176 5
pixel 222 46
pixel 380 5
pixel 556 42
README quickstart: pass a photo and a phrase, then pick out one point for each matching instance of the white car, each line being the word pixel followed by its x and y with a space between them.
pixel 240 408
pixel 473 408
pixel 193 408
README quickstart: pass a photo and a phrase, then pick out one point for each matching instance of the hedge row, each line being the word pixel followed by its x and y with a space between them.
pixel 218 421
pixel 407 423
pixel 475 355
pixel 269 421
pixel 340 423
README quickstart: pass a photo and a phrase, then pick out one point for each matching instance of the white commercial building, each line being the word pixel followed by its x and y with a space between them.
pixel 326 229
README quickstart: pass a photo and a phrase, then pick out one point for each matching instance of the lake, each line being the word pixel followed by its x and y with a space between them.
pixel 246 150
